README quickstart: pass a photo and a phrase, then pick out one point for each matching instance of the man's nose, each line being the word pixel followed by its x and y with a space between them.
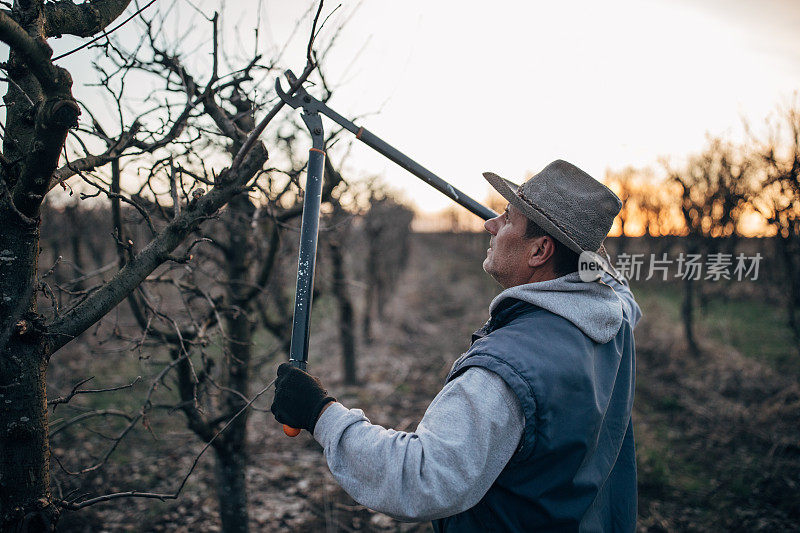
pixel 491 225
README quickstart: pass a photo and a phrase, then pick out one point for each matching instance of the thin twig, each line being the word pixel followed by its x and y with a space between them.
pixel 309 58
pixel 152 495
pixel 77 390
pixel 310 66
pixel 84 416
pixel 91 274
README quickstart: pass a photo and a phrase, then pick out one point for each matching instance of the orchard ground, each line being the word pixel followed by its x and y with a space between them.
pixel 718 435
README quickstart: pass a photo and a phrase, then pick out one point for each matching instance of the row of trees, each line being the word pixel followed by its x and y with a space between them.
pixel 720 195
pixel 191 226
pixel 208 331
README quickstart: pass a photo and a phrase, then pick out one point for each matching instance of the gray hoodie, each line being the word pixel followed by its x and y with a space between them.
pixel 595 308
pixel 470 430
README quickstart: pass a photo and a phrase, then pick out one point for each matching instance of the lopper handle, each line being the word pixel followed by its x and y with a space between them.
pixel 309 229
pixel 290 431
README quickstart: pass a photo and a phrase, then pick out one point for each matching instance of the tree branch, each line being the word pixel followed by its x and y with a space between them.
pixel 54 117
pixel 74 322
pixel 77 390
pixel 92 162
pixel 84 416
pixel 35 53
pixel 332 179
pixel 64 17
pixel 253 137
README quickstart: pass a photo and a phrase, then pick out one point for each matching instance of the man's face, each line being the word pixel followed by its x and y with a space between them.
pixel 507 256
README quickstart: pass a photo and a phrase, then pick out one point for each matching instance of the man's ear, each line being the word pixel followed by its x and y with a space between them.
pixel 542 249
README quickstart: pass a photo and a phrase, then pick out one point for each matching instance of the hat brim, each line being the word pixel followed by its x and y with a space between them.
pixel 508 190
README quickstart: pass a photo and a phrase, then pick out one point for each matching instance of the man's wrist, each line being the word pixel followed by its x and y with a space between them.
pixel 324 407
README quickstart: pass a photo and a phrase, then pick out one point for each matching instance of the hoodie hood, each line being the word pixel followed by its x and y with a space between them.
pixel 593 307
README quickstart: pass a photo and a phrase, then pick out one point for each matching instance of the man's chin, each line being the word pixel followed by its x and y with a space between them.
pixel 487 267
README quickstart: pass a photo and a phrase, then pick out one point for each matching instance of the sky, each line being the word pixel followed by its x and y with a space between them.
pixel 510 86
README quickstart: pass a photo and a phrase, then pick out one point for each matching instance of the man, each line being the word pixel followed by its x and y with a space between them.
pixel 532 430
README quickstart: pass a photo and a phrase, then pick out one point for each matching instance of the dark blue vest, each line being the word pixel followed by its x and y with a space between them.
pixel 575 468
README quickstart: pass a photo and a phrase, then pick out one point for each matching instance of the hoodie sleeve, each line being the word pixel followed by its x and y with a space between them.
pixel 467 436
pixel 623 290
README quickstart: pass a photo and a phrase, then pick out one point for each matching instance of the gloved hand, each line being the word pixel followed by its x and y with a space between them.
pixel 299 398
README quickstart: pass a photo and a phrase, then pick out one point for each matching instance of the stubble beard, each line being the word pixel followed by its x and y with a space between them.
pixel 488 267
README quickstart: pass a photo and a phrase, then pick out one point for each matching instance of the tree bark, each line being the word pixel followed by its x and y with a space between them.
pixel 346 317
pixel 24 451
pixel 687 312
pixel 232 454
pixel 39 111
pixel 83 20
pixel 789 253
pixel 231 488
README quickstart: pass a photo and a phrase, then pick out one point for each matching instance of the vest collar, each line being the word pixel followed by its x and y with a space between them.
pixel 501 315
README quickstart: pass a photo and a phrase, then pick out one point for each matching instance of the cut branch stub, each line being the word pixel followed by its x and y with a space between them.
pixel 53 120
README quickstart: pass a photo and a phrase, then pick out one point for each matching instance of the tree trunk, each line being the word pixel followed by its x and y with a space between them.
pixel 78 265
pixel 346 319
pixel 231 489
pixel 622 243
pixel 792 269
pixel 36 125
pixel 687 312
pixel 232 455
pixel 24 449
pixel 369 306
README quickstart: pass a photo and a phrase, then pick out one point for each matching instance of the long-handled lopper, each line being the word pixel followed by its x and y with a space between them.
pixel 309 228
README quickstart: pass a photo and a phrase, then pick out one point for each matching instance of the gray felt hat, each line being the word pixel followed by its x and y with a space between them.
pixel 566 202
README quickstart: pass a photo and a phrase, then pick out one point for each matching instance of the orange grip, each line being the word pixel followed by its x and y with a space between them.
pixel 290 431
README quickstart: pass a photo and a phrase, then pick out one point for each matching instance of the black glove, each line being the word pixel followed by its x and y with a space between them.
pixel 299 398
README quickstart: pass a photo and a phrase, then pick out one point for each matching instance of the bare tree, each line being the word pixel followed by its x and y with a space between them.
pixel 624 184
pixel 778 200
pixel 386 228
pixel 169 142
pixel 337 243
pixel 713 190
pixel 648 204
pixel 236 284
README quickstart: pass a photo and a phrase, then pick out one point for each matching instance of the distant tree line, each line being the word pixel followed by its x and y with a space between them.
pixel 719 196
